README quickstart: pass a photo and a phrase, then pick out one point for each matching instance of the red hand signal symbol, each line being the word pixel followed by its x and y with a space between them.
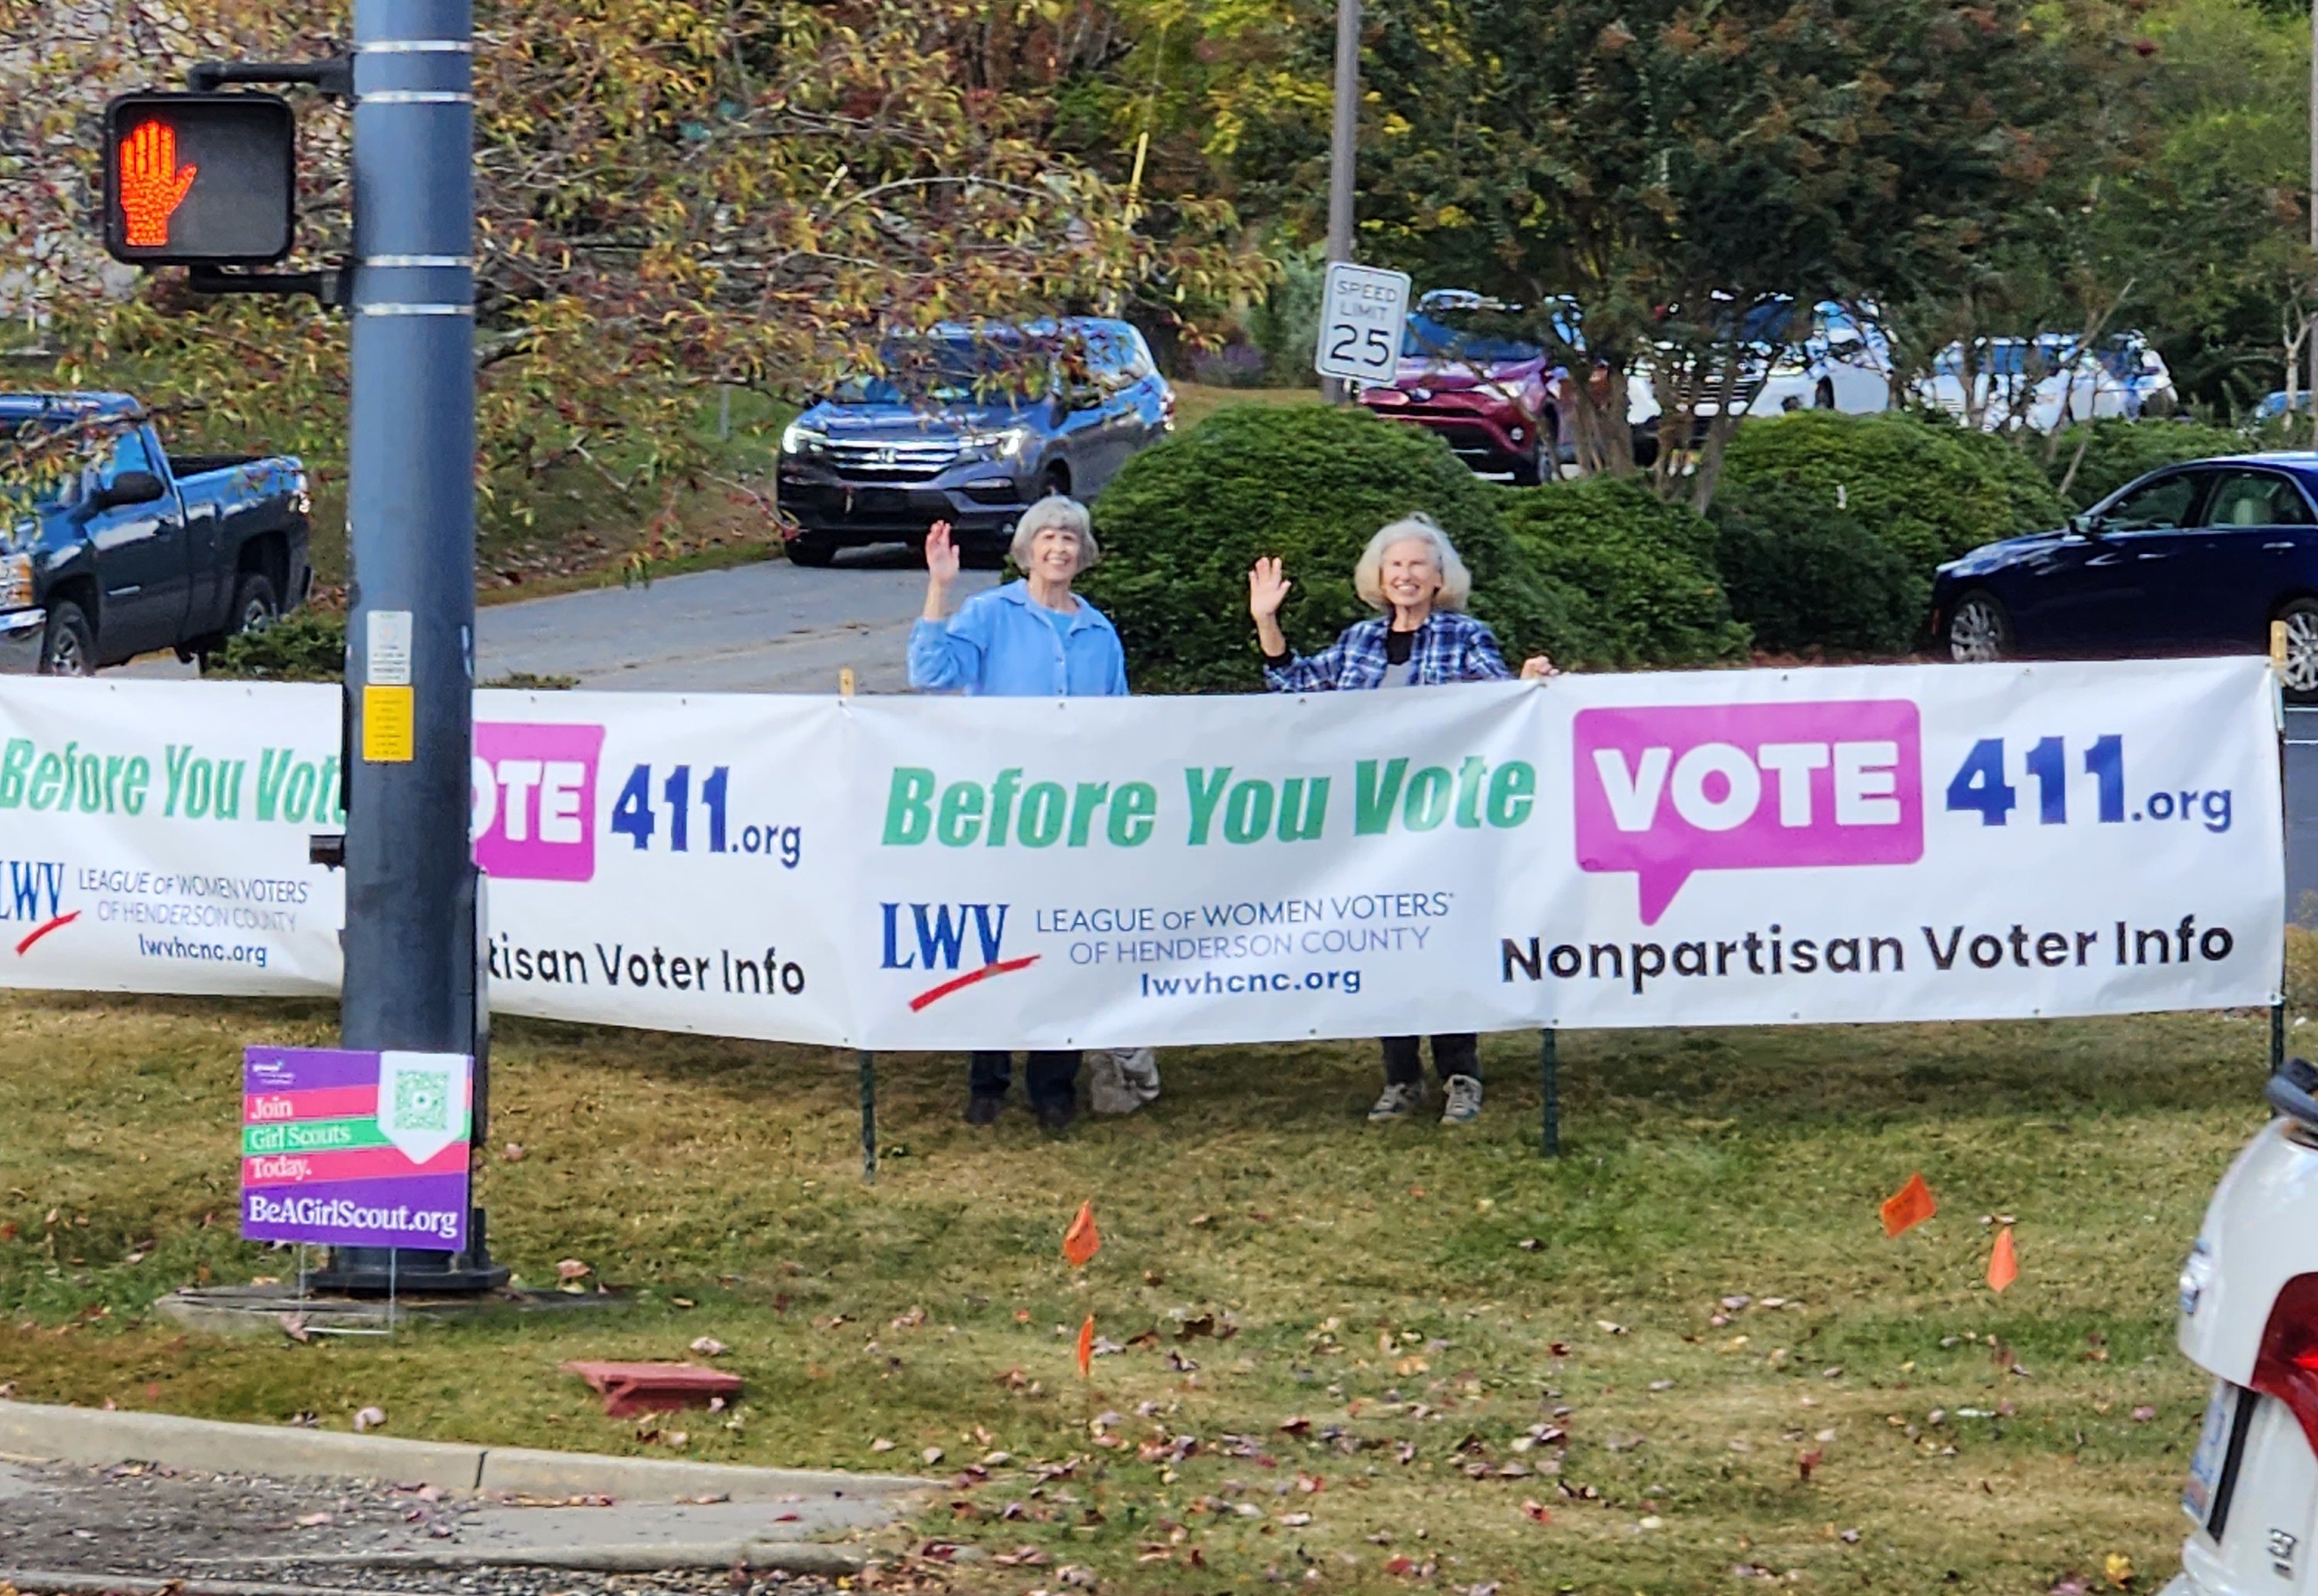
pixel 152 184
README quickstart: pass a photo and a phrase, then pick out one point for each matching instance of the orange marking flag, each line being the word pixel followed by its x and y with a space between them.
pixel 2004 1263
pixel 1081 1241
pixel 1908 1207
pixel 1086 1349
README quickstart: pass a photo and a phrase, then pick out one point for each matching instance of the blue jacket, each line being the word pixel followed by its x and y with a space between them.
pixel 1001 645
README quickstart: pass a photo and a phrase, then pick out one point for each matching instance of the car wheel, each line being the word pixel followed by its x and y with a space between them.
pixel 68 647
pixel 811 552
pixel 1534 467
pixel 2299 674
pixel 254 606
pixel 1979 631
pixel 1823 396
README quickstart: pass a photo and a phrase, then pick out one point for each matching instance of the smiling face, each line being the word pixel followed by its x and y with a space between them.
pixel 1055 553
pixel 1410 573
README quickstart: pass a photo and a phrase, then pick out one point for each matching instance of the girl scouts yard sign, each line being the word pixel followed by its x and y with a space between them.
pixel 353 1149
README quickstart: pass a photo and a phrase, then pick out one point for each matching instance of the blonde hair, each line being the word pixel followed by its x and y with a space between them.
pixel 1065 514
pixel 1368 572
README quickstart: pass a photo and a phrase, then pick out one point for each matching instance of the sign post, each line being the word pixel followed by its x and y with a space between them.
pixel 411 894
pixel 1363 312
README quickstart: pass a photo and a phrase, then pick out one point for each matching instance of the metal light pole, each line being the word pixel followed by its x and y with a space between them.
pixel 1343 147
pixel 411 939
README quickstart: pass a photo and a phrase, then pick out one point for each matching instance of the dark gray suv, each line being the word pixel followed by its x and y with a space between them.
pixel 969 426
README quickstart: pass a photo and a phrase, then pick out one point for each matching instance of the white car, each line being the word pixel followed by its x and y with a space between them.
pixel 2249 1318
pixel 2049 380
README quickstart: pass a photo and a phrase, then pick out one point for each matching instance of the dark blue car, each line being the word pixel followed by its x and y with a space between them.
pixel 969 426
pixel 2195 559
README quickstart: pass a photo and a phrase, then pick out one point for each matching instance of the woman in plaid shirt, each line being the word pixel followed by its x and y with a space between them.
pixel 1422 638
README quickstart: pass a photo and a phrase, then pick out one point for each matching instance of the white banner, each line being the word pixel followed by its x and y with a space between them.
pixel 1733 847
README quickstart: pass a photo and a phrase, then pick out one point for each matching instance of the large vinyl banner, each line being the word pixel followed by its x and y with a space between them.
pixel 1728 847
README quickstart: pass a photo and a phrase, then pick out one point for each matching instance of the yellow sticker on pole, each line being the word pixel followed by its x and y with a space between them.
pixel 388 713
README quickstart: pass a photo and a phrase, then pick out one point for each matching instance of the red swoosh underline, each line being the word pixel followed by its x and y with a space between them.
pixel 38 932
pixel 935 994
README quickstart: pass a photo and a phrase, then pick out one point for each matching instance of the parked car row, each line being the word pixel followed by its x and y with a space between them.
pixel 111 546
pixel 1502 402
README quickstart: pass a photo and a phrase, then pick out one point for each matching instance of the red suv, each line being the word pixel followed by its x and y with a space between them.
pixel 1492 397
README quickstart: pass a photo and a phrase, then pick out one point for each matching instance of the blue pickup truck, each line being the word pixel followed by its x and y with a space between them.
pixel 111 546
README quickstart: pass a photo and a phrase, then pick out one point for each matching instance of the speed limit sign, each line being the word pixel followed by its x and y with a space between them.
pixel 1361 315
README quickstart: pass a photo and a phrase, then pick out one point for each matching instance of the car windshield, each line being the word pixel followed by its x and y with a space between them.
pixel 950 370
pixel 1450 336
pixel 40 462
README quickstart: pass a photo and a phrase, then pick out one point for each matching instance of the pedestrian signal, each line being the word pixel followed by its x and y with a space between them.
pixel 200 179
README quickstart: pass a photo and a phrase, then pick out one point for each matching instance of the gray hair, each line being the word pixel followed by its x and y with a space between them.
pixel 1062 512
pixel 1368 572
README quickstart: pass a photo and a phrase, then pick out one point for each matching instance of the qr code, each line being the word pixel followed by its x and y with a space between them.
pixel 422 1100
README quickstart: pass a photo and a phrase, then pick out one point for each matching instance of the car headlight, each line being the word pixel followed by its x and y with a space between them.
pixel 799 439
pixel 1006 443
pixel 16 582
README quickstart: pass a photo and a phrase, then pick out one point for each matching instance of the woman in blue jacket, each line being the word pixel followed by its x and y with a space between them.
pixel 1029 639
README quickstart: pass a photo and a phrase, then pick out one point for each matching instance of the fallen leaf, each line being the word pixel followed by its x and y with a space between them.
pixel 370 1419
pixel 1537 1512
pixel 881 1445
pixel 683 1302
pixel 2142 1415
pixel 1808 1461
pixel 571 1269
pixel 313 1520
pixel 932 1455
pixel 513 1153
pixel 2117 1569
pixel 1296 1521
pixel 1608 1327
pixel 708 1346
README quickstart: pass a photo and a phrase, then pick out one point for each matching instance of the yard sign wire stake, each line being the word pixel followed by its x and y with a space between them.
pixel 868 1117
pixel 2278 675
pixel 1549 1077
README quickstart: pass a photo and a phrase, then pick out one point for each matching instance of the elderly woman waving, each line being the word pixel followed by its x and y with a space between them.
pixel 1421 638
pixel 1029 639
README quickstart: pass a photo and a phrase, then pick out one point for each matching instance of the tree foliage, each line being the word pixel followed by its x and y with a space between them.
pixel 670 195
pixel 1643 571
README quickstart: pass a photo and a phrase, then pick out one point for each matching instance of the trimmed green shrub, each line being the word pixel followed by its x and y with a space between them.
pixel 1927 488
pixel 302 646
pixel 2117 450
pixel 1804 575
pixel 1182 524
pixel 1643 569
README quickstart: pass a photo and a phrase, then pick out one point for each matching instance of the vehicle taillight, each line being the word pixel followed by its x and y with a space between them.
pixel 1167 409
pixel 2286 1367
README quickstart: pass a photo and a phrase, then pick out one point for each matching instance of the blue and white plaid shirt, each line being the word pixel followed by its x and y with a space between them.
pixel 1449 647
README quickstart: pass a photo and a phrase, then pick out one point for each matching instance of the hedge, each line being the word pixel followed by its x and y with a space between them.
pixel 1805 576
pixel 1643 569
pixel 1927 488
pixel 2117 450
pixel 1182 524
pixel 302 646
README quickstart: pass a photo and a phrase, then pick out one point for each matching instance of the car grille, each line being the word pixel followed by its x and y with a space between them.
pixel 892 460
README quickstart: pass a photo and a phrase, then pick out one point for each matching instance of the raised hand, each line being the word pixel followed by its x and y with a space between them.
pixel 942 557
pixel 152 184
pixel 1266 588
pixel 942 564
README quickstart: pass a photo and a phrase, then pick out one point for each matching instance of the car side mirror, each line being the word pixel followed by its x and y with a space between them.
pixel 129 488
pixel 2087 525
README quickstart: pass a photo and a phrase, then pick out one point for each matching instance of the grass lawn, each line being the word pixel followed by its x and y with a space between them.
pixel 1391 1311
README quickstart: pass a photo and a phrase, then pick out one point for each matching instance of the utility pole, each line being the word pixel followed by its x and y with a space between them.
pixel 1344 148
pixel 2311 326
pixel 411 981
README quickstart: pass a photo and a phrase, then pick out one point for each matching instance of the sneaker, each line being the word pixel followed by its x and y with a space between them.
pixel 1464 1105
pixel 1058 1116
pixel 983 1110
pixel 1399 1102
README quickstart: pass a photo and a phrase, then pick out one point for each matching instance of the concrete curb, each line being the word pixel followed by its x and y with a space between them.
pixel 92 1436
pixel 787 1557
pixel 41 1581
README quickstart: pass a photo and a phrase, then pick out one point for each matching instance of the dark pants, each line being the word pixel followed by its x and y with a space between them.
pixel 1458 1053
pixel 1052 1079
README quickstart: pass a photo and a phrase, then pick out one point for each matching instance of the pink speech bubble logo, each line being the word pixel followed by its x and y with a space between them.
pixel 1664 792
pixel 533 800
